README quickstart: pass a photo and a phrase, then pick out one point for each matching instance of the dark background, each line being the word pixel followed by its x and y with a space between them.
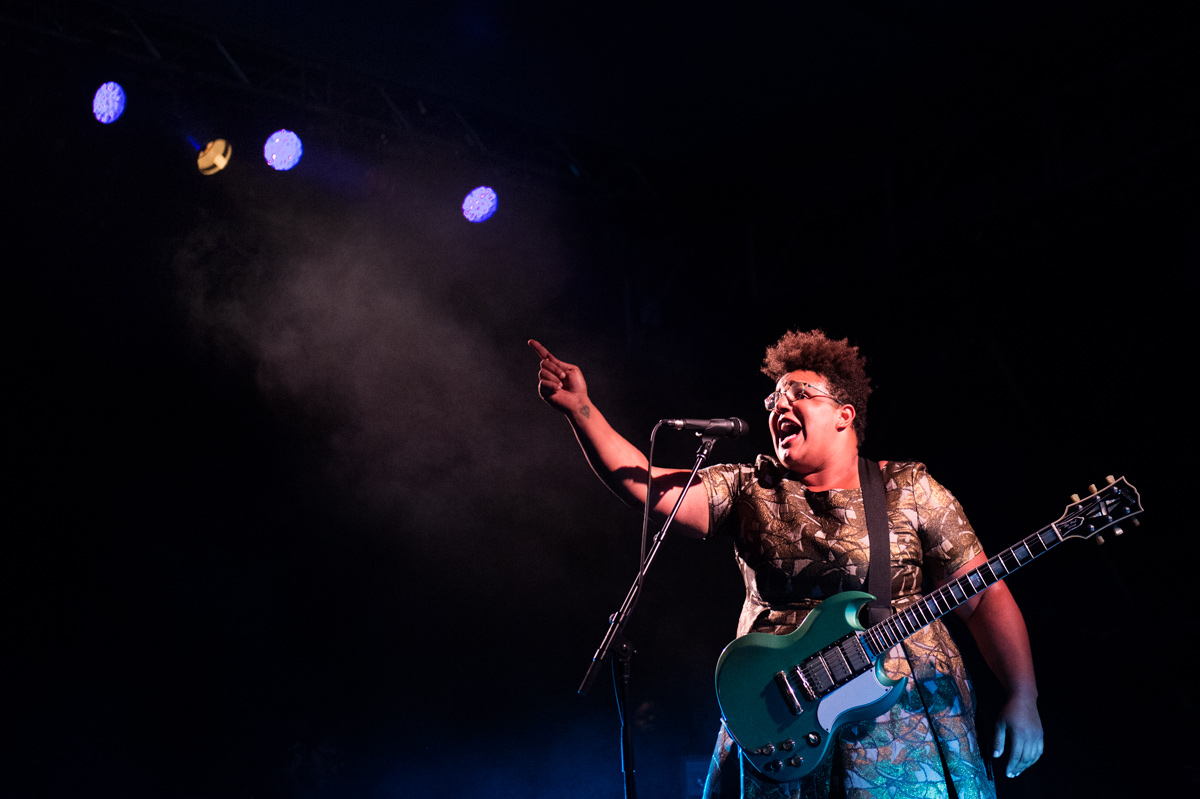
pixel 285 515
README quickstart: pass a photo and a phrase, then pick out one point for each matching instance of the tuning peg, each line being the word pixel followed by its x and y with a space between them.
pixel 1099 540
pixel 1110 479
pixel 1074 497
pixel 1118 531
pixel 1092 489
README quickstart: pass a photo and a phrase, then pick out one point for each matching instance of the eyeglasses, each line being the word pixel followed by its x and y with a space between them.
pixel 795 391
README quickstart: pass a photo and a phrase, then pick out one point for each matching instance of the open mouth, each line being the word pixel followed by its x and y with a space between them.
pixel 788 430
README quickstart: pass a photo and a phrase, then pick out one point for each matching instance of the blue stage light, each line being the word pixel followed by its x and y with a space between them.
pixel 283 149
pixel 480 204
pixel 109 102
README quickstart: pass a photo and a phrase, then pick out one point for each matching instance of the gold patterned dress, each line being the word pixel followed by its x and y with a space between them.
pixel 796 547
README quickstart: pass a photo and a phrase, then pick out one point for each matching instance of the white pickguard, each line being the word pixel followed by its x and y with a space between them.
pixel 862 690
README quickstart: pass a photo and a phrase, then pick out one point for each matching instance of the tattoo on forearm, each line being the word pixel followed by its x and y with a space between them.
pixel 586 411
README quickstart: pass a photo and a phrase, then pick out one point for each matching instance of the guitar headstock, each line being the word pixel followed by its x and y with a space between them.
pixel 1103 508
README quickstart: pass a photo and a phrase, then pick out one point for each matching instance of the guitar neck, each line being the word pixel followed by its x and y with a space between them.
pixel 899 626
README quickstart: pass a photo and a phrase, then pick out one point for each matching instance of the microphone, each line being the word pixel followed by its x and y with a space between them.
pixel 721 428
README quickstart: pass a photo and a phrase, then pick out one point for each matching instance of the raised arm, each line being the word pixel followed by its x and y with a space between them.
pixel 998 628
pixel 621 465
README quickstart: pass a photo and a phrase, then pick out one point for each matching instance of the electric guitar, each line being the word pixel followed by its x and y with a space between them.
pixel 783 697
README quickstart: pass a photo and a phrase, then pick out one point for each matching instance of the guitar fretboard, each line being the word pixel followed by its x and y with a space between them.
pixel 894 629
pixel 836 664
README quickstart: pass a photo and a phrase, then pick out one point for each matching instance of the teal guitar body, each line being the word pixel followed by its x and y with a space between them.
pixel 784 697
pixel 785 732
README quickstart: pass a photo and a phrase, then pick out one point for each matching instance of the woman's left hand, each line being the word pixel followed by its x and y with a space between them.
pixel 1018 735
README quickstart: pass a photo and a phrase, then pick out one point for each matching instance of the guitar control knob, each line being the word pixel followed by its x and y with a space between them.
pixel 787 745
pixel 775 765
pixel 812 739
pixel 795 761
pixel 767 749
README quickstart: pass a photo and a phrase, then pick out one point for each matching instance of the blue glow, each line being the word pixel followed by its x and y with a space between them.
pixel 480 204
pixel 283 149
pixel 109 102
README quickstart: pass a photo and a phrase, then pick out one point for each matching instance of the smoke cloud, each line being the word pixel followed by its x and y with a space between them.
pixel 398 336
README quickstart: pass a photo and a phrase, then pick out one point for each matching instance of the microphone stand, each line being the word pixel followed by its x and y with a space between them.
pixel 614 637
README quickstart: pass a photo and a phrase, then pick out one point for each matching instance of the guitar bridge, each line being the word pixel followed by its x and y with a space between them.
pixel 788 693
pixel 787 682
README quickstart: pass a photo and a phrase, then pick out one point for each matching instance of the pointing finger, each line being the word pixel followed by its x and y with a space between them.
pixel 549 363
pixel 537 347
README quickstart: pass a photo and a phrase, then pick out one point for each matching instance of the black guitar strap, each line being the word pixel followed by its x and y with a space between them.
pixel 879 572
